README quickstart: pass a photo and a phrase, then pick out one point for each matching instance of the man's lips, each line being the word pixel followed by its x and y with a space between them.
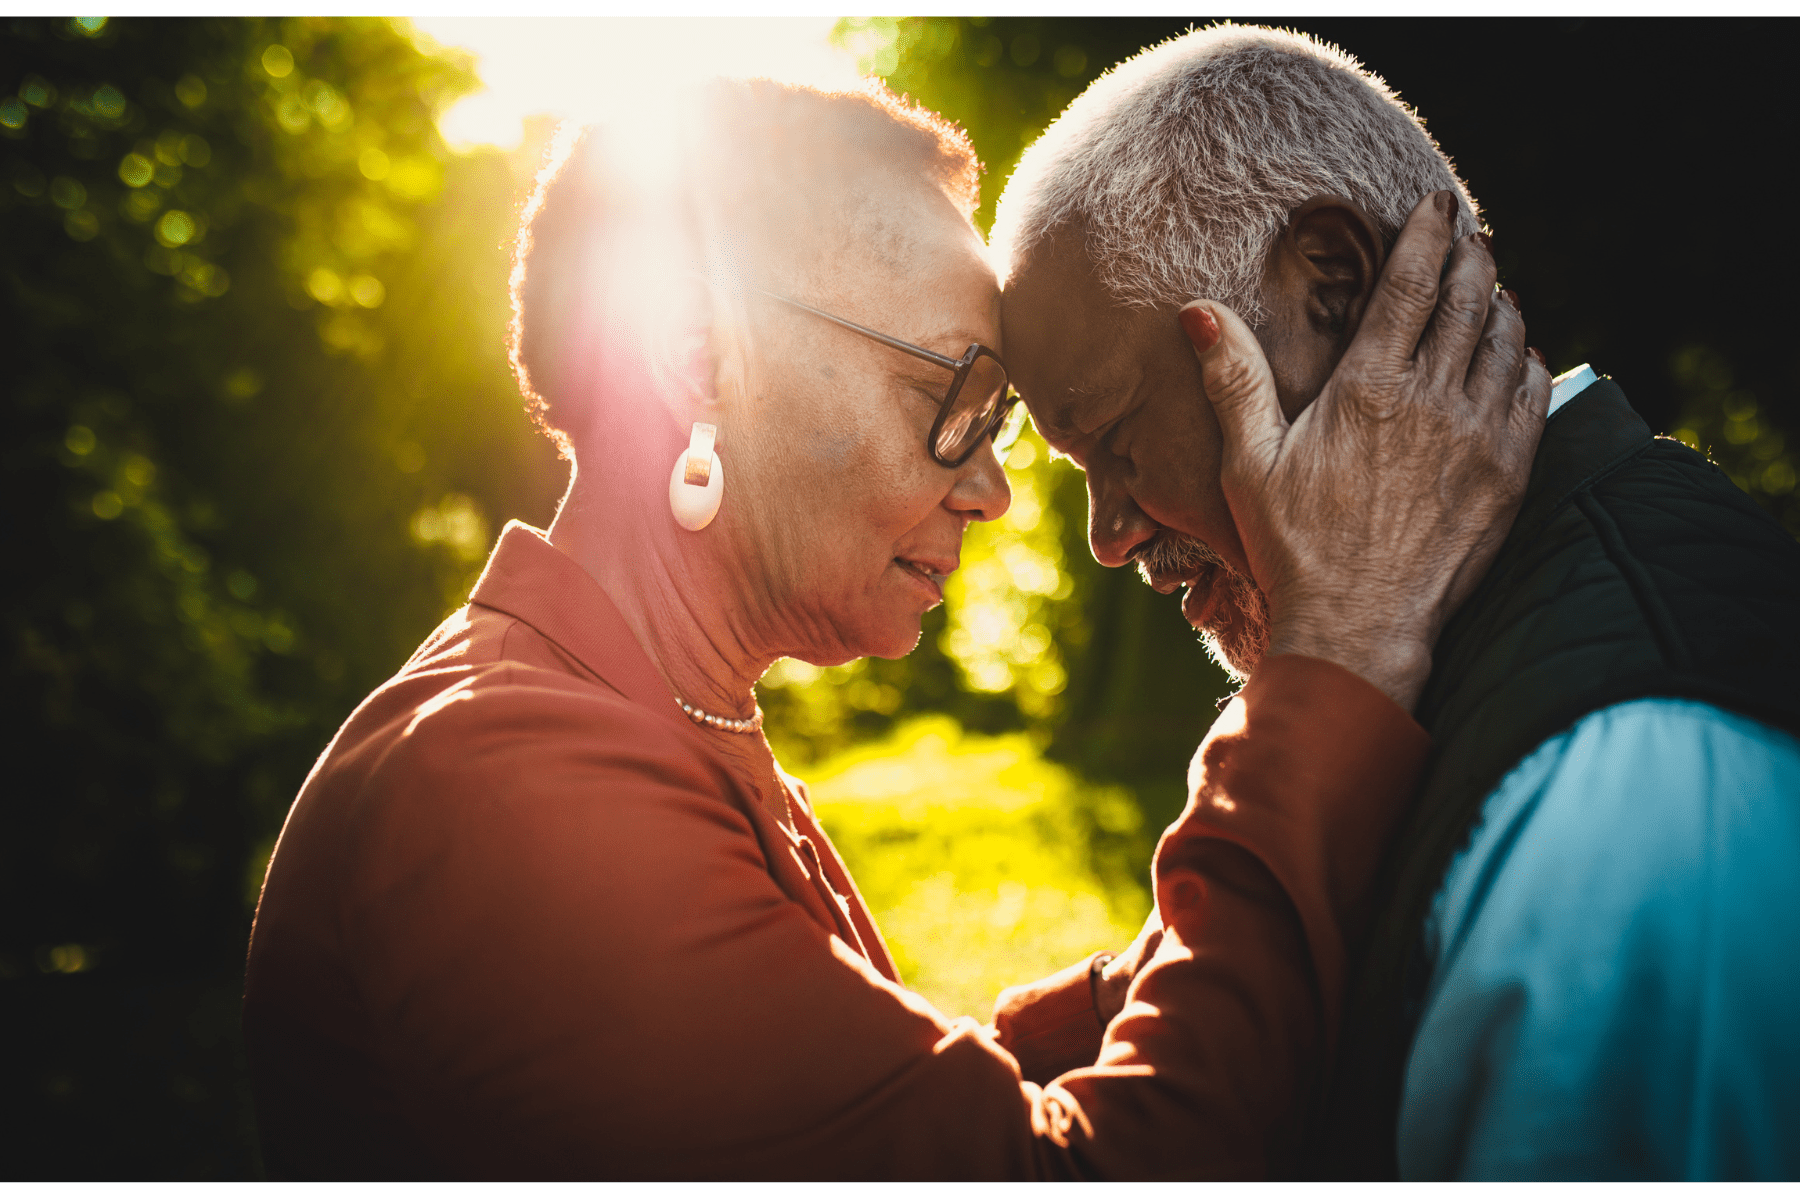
pixel 1201 584
pixel 1166 583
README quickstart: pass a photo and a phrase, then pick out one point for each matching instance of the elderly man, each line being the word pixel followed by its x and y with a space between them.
pixel 1588 940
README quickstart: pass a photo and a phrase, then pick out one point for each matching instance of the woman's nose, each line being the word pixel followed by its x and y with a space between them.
pixel 1116 525
pixel 981 492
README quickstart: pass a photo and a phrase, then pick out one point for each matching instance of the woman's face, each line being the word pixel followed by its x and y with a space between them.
pixel 854 525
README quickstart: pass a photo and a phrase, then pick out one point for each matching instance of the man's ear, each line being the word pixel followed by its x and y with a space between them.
pixel 1317 281
pixel 1330 256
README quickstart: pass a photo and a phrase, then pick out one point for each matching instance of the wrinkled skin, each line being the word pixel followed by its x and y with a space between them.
pixel 1360 471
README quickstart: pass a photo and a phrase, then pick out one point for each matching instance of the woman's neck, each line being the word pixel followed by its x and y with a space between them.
pixel 687 621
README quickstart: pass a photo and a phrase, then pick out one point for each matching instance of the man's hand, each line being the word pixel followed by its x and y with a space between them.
pixel 1371 516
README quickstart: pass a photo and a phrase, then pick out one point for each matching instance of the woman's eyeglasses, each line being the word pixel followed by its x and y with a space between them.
pixel 978 403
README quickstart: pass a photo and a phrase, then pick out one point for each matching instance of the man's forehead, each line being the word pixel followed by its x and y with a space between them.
pixel 1064 334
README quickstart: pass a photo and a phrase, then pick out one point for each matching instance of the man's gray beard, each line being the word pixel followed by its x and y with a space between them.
pixel 1237 649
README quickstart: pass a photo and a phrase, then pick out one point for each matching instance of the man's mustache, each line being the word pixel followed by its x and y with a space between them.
pixel 1172 555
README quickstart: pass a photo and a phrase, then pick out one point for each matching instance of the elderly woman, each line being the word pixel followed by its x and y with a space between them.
pixel 547 906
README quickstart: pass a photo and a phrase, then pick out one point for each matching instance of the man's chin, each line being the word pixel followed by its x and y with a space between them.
pixel 1238 659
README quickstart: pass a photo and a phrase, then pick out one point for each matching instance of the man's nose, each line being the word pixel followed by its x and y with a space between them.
pixel 981 492
pixel 1116 525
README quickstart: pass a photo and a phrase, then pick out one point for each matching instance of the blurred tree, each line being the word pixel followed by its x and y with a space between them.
pixel 262 428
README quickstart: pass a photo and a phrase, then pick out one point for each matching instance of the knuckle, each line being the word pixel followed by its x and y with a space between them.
pixel 1498 368
pixel 1503 318
pixel 1509 326
pixel 1413 285
pixel 1232 381
pixel 1508 351
pixel 1466 305
pixel 1380 392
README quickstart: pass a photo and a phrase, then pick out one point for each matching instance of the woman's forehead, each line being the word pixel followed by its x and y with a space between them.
pixel 943 298
pixel 911 237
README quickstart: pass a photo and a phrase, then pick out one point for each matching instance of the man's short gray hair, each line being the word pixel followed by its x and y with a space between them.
pixel 1184 163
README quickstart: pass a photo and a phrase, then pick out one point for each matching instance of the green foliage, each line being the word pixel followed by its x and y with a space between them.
pixel 262 430
pixel 1002 79
pixel 981 861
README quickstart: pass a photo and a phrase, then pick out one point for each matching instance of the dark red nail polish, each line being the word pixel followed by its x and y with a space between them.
pixel 1202 329
pixel 1539 355
pixel 1512 299
pixel 1484 241
pixel 1446 203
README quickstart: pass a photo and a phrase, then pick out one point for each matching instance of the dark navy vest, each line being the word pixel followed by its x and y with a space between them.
pixel 1635 568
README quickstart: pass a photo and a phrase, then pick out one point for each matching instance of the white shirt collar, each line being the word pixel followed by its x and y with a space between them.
pixel 1570 384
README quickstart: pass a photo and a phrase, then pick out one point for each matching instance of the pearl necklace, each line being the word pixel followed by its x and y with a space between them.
pixel 728 724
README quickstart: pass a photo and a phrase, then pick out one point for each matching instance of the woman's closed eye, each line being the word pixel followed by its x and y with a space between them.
pixel 925 394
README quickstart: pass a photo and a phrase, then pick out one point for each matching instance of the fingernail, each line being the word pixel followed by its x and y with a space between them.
pixel 1512 299
pixel 1539 355
pixel 1446 202
pixel 1484 241
pixel 1201 327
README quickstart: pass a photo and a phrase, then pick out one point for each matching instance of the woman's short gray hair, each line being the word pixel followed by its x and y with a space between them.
pixel 1184 162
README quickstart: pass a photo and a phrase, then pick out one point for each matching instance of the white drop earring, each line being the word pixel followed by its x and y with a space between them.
pixel 697 483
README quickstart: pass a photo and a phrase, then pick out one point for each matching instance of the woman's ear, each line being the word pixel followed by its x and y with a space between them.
pixel 726 361
pixel 1333 256
pixel 680 350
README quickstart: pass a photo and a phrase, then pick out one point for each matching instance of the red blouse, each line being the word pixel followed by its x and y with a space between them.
pixel 522 923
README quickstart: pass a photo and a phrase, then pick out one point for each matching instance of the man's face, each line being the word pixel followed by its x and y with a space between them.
pixel 1118 391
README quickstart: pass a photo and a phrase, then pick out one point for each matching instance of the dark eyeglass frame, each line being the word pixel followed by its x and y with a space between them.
pixel 960 367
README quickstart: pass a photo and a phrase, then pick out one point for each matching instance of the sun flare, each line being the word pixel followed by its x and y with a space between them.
pixel 604 69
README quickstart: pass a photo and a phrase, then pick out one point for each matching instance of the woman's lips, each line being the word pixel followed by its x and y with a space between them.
pixel 929 581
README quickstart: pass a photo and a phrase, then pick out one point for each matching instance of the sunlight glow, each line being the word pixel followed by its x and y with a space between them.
pixel 604 69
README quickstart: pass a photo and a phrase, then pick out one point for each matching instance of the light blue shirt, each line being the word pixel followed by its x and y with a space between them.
pixel 1615 990
pixel 1568 385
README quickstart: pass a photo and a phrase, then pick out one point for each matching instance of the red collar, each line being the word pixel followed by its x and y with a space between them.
pixel 529 579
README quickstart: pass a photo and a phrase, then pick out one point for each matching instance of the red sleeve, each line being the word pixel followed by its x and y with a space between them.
pixel 1260 885
pixel 576 963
